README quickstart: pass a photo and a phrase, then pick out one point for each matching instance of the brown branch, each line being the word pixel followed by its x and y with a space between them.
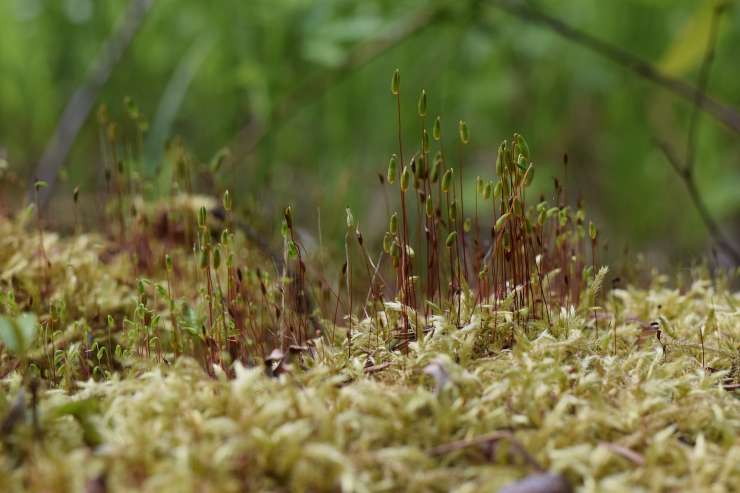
pixel 723 113
pixel 685 170
pixel 79 105
pixel 687 177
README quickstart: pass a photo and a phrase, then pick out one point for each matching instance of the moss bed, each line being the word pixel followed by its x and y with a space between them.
pixel 642 396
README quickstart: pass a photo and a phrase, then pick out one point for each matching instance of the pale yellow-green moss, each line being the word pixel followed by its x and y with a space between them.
pixel 648 418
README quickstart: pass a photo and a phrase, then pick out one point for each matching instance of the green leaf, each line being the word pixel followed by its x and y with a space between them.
pixel 686 52
pixel 18 334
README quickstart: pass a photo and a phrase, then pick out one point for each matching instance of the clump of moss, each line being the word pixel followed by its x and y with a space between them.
pixel 179 352
pixel 648 418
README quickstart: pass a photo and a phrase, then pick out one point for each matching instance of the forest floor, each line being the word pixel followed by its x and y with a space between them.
pixel 109 380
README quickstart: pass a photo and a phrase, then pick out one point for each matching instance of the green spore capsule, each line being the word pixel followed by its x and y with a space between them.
pixel 422 104
pixel 464 133
pixel 446 180
pixel 392 169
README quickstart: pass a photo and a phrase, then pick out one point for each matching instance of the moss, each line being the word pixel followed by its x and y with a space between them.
pixel 644 419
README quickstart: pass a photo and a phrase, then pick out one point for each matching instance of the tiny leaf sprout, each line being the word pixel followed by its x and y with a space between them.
pixel 396 83
pixel 437 129
pixel 350 218
pixel 168 262
pixel 393 224
pixel 392 169
pixel 592 231
pixel 422 104
pixel 40 185
pixel 464 133
pixel 451 239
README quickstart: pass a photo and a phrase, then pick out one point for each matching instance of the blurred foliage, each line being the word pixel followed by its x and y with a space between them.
pixel 475 62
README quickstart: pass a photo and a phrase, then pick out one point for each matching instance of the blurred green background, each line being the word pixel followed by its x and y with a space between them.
pixel 226 73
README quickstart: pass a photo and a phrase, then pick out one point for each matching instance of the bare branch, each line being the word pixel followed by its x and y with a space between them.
pixel 671 157
pixel 723 113
pixel 688 180
pixel 685 170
